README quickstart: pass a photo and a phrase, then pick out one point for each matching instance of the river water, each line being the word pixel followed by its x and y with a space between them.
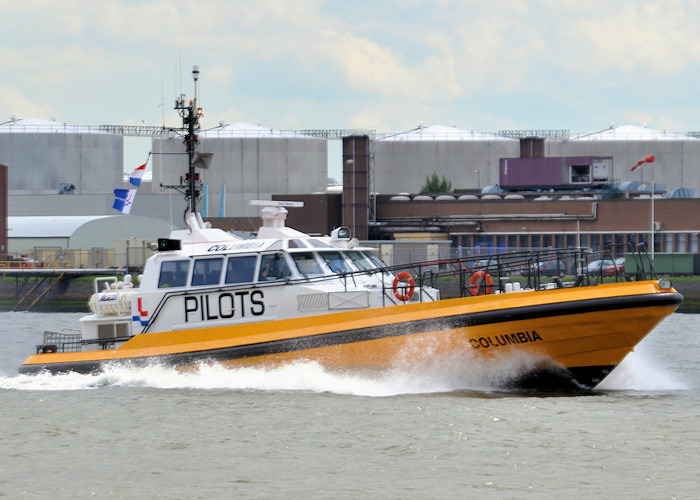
pixel 299 431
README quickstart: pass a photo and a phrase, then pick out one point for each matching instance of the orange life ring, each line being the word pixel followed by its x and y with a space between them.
pixel 408 293
pixel 477 290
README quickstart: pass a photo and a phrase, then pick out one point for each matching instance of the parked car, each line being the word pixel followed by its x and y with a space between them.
pixel 547 268
pixel 617 266
pixel 483 264
pixel 596 266
pixel 24 262
pixel 488 265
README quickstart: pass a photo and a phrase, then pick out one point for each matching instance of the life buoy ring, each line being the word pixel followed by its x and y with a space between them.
pixel 408 291
pixel 475 289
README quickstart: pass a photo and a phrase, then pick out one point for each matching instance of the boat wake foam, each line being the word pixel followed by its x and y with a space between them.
pixel 639 373
pixel 298 376
pixel 437 376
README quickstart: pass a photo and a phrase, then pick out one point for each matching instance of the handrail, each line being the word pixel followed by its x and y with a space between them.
pixel 30 264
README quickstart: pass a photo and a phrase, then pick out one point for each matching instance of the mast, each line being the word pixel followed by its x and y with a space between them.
pixel 191 113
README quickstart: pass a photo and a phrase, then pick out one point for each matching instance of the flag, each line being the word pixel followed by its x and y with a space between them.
pixel 137 175
pixel 123 199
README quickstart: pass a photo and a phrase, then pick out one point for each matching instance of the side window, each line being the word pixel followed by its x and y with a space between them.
pixel 241 269
pixel 207 272
pixel 306 263
pixel 173 273
pixel 273 267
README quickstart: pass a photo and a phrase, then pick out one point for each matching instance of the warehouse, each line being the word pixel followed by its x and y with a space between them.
pixel 87 241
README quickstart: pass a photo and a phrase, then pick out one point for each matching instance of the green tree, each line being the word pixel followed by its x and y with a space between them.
pixel 433 184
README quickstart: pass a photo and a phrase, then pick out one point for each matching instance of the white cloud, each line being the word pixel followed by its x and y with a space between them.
pixel 382 66
pixel 636 37
pixel 14 102
pixel 392 117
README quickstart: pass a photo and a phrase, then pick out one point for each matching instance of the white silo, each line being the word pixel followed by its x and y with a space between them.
pixel 403 161
pixel 48 157
pixel 249 162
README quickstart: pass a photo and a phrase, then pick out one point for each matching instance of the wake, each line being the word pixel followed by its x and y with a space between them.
pixel 636 373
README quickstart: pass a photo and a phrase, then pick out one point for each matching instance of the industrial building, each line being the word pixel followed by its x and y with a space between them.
pixel 401 162
pixel 84 241
pixel 59 169
pixel 558 209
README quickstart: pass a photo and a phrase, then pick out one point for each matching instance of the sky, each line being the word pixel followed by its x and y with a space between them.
pixel 385 66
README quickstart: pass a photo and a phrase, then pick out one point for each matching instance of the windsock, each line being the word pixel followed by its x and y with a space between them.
pixel 646 159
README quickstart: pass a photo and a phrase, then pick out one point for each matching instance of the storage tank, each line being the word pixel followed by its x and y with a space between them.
pixel 50 157
pixel 249 162
pixel 466 158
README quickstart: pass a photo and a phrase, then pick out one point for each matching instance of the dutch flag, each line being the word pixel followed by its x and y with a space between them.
pixel 137 175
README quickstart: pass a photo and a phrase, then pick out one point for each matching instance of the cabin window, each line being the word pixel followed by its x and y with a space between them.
pixel 276 245
pixel 296 244
pixel 360 261
pixel 273 267
pixel 580 174
pixel 336 262
pixel 207 272
pixel 378 264
pixel 241 269
pixel 306 263
pixel 173 273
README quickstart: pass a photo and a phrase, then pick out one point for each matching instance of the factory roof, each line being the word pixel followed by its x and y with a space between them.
pixel 86 231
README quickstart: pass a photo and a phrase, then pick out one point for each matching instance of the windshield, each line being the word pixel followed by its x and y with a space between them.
pixel 360 261
pixel 306 263
pixel 337 262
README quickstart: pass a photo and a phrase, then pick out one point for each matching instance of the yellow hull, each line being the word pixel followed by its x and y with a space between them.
pixel 586 330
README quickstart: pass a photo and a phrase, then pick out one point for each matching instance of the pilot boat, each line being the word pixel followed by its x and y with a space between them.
pixel 209 296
